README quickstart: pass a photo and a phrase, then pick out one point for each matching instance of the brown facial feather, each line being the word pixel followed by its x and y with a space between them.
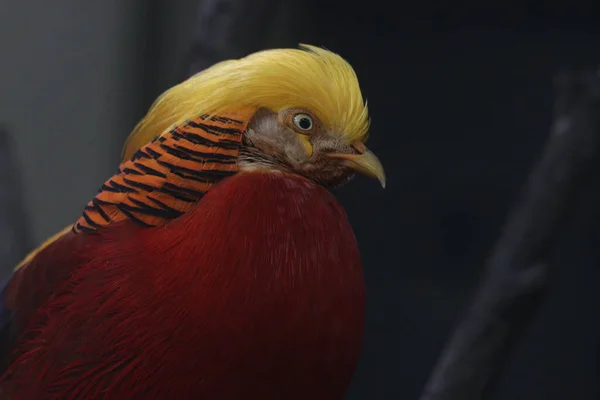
pixel 272 142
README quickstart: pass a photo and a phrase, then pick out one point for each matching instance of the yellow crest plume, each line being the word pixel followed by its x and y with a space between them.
pixel 309 77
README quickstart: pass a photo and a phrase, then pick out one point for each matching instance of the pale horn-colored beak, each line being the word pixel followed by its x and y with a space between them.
pixel 365 162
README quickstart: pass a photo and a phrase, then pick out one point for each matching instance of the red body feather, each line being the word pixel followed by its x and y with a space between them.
pixel 257 292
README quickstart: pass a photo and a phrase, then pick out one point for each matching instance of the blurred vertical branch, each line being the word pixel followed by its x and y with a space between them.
pixel 15 239
pixel 151 68
pixel 515 275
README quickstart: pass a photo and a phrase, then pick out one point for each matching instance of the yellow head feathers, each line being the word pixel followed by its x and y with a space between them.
pixel 309 77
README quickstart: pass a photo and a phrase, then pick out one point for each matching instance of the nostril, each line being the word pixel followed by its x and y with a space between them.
pixel 359 146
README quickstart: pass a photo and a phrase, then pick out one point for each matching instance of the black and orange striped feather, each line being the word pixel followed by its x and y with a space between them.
pixel 166 177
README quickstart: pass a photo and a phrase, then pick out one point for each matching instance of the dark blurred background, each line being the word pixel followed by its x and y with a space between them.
pixel 461 101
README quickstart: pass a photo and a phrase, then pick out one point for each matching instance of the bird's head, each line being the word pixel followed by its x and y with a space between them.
pixel 303 109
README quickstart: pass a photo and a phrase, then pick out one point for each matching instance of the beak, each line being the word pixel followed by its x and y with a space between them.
pixel 365 163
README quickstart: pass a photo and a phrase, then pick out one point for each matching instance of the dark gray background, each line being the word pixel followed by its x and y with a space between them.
pixel 461 101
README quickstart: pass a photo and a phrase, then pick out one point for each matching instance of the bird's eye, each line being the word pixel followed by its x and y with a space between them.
pixel 303 121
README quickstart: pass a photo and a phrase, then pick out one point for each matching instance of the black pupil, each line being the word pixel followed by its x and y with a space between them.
pixel 304 123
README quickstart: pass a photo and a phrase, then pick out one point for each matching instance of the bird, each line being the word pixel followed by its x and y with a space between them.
pixel 215 263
